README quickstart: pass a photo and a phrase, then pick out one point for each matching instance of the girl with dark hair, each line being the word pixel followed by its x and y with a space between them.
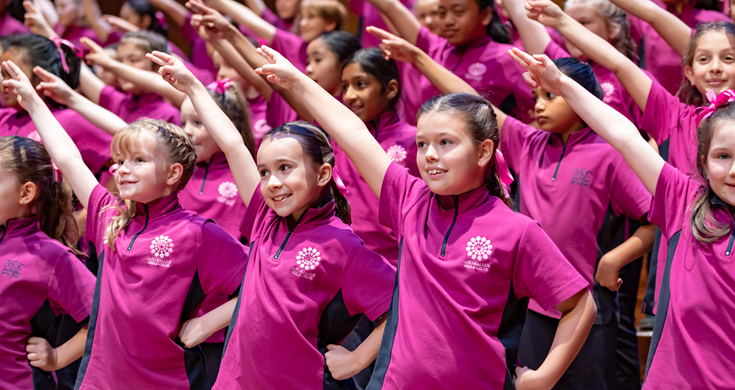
pixel 472 46
pixel 466 257
pixel 41 277
pixel 696 216
pixel 566 157
pixel 309 277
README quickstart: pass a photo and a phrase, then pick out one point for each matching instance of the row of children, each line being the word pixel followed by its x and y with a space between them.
pixel 383 238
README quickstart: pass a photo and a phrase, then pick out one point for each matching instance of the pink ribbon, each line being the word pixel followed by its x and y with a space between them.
pixel 58 42
pixel 503 172
pixel 161 19
pixel 57 172
pixel 338 181
pixel 220 86
pixel 113 169
pixel 715 102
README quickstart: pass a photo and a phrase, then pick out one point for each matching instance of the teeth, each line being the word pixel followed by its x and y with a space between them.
pixel 280 197
pixel 434 172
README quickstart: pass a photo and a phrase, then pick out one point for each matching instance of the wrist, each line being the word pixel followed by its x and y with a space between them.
pixel 195 88
pixel 564 22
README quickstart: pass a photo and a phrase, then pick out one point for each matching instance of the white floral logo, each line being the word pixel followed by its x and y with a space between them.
pixel 608 89
pixel 162 246
pixel 308 258
pixel 227 190
pixel 477 69
pixel 479 248
pixel 397 153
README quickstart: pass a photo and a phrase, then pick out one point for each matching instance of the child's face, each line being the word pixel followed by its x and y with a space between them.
pixel 323 66
pixel 313 25
pixel 287 9
pixel 290 182
pixel 553 114
pixel 586 15
pixel 447 157
pixel 10 197
pixel 363 94
pixel 142 175
pixel 720 162
pixel 713 66
pixel 69 12
pixel 462 20
pixel 225 71
pixel 204 144
pixel 130 54
pixel 427 11
pixel 128 14
pixel 19 59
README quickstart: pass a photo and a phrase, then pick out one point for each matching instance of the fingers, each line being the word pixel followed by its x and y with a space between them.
pixel 12 69
pixel 90 44
pixel 198 8
pixel 529 79
pixel 30 7
pixel 160 58
pixel 44 75
pixel 380 33
pixel 269 54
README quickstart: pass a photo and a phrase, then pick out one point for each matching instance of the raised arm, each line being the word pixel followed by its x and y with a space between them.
pixel 172 9
pixel 35 20
pixel 219 126
pixel 635 81
pixel 345 127
pixel 533 34
pixel 672 29
pixel 258 6
pixel 245 16
pixel 93 14
pixel 63 152
pixel 399 17
pixel 617 130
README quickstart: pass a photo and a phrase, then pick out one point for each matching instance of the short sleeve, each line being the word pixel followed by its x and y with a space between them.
pixel 71 287
pixel 367 282
pixel 291 47
pixel 628 194
pixel 269 16
pixel 100 211
pixel 428 42
pixel 399 188
pixel 254 209
pixel 187 30
pixel 513 137
pixel 554 51
pixel 221 260
pixel 541 272
pixel 674 193
pixel 661 117
pixel 113 100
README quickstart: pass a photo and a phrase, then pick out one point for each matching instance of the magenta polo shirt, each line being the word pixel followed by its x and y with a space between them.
pixel 259 119
pixel 569 188
pixel 291 277
pixel 199 55
pixel 459 256
pixel 281 24
pixel 161 257
pixel 371 17
pixel 697 347
pixel 131 107
pixel 483 64
pixel 292 47
pixel 11 26
pixel 93 143
pixel 35 268
pixel 279 111
pixel 73 34
pixel 398 139
pixel 115 36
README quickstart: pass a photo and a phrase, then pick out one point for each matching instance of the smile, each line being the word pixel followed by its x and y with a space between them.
pixel 280 198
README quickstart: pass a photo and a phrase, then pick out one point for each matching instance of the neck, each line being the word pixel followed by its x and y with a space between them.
pixel 565 135
pixel 252 93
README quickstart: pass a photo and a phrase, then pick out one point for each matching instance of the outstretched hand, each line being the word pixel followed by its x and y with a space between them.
pixel 173 71
pixel 395 47
pixel 540 71
pixel 278 69
pixel 119 24
pixel 211 24
pixel 545 12
pixel 19 85
pixel 53 87
pixel 97 55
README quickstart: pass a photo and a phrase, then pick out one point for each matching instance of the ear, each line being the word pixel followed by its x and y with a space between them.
pixel 391 91
pixel 485 153
pixel 689 73
pixel 324 175
pixel 146 22
pixel 486 16
pixel 613 31
pixel 330 26
pixel 175 172
pixel 28 193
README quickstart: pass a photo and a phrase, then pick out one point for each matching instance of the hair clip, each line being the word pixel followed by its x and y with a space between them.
pixel 338 181
pixel 503 172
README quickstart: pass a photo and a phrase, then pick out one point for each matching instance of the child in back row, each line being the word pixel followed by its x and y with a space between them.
pixel 465 256
pixel 157 262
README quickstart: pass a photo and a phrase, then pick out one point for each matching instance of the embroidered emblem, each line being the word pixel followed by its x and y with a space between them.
pixel 397 153
pixel 608 89
pixel 161 248
pixel 308 258
pixel 476 71
pixel 35 136
pixel 478 249
pixel 13 269
pixel 582 177
pixel 227 193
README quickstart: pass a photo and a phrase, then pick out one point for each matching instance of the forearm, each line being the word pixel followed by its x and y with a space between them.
pixel 172 9
pixel 258 6
pixel 90 85
pixel 640 243
pixel 94 18
pixel 400 17
pixel 71 350
pixel 245 16
pixel 367 351
pixel 220 317
pixel 672 29
pixel 243 68
pixel 441 77
pixel 95 114
pixel 533 34
pixel 149 81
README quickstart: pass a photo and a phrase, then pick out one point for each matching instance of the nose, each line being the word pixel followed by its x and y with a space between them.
pixel 715 66
pixel 540 106
pixel 309 70
pixel 349 95
pixel 274 183
pixel 189 132
pixel 122 169
pixel 431 154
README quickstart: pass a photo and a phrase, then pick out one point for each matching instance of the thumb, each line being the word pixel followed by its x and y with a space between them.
pixel 30 7
pixel 331 347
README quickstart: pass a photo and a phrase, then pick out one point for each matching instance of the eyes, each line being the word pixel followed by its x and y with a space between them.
pixel 547 96
pixel 136 160
pixel 703 59
pixel 282 168
pixel 443 142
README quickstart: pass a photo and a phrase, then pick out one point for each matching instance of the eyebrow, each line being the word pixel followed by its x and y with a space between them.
pixel 279 161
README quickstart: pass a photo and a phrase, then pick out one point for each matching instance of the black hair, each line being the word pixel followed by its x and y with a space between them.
pixel 42 52
pixel 143 8
pixel 372 62
pixel 710 5
pixel 341 43
pixel 315 143
pixel 498 31
pixel 581 73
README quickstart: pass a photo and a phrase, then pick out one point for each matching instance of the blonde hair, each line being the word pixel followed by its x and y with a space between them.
pixel 172 140
pixel 612 16
pixel 329 10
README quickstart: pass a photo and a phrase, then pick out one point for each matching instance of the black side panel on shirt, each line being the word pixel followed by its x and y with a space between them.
pixel 42 325
pixel 391 325
pixel 194 361
pixel 233 321
pixel 663 300
pixel 334 326
pixel 610 235
pixel 649 299
pixel 92 324
pixel 509 332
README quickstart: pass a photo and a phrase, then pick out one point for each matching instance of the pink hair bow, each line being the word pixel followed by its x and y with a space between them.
pixel 503 172
pixel 220 86
pixel 57 172
pixel 716 101
pixel 58 42
pixel 338 181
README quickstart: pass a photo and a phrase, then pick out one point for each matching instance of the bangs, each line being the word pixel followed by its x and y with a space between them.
pixel 131 140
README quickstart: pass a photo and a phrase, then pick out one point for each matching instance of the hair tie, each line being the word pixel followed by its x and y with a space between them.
pixel 161 19
pixel 58 42
pixel 503 172
pixel 57 172
pixel 113 169
pixel 716 101
pixel 338 181
pixel 220 86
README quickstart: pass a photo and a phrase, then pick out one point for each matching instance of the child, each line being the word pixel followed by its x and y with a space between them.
pixel 370 16
pixel 695 217
pixel 443 299
pixel 132 103
pixel 471 47
pixel 569 180
pixel 301 255
pixel 157 262
pixel 37 54
pixel 40 275
pixel 288 14
pixel 427 12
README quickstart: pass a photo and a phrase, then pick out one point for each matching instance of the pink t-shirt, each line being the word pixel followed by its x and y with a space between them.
pixel 35 268
pixel 11 26
pixel 483 64
pixel 292 276
pixel 259 119
pixel 398 139
pixel 371 17
pixel 73 34
pixel 292 47
pixel 281 24
pixel 459 256
pixel 697 348
pixel 162 255
pixel 131 107
pixel 93 143
pixel 569 188
pixel 199 55
pixel 279 112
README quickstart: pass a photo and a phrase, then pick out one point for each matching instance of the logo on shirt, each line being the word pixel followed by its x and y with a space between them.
pixel 608 89
pixel 478 249
pixel 397 153
pixel 582 177
pixel 227 193
pixel 12 269
pixel 307 260
pixel 475 71
pixel 161 248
